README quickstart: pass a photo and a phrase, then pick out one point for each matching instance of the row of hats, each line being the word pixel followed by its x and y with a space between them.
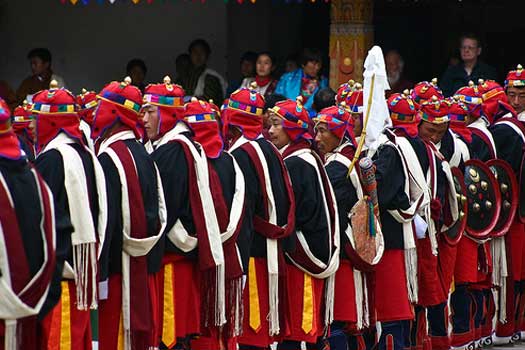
pixel 100 2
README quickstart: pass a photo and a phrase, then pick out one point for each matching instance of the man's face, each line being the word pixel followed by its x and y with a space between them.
pixel 326 140
pixel 38 67
pixel 278 135
pixel 393 64
pixel 358 125
pixel 431 132
pixel 516 98
pixel 32 128
pixel 469 50
pixel 198 56
pixel 151 121
pixel 247 68
pixel 312 68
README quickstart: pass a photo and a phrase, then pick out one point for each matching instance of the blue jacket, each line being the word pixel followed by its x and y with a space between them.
pixel 290 86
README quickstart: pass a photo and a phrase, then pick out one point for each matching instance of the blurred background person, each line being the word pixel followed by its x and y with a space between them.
pixel 394 69
pixel 264 69
pixel 247 70
pixel 136 69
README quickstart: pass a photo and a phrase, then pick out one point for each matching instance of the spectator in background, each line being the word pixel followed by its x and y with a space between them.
pixel 42 74
pixel 323 99
pixel 202 81
pixel 136 70
pixel 394 69
pixel 305 81
pixel 7 94
pixel 182 66
pixel 247 66
pixel 269 103
pixel 264 69
pixel 291 63
pixel 470 67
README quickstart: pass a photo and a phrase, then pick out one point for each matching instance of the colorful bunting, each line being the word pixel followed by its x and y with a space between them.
pixel 240 2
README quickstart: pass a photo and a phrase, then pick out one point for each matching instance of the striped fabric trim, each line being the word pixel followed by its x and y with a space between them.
pixel 5 127
pixel 405 118
pixel 89 105
pixel 244 107
pixel 469 99
pixel 166 101
pixel 327 118
pixel 22 119
pixel 196 118
pixel 289 117
pixel 491 94
pixel 43 108
pixel 458 117
pixel 355 109
pixel 434 120
pixel 120 100
pixel 514 83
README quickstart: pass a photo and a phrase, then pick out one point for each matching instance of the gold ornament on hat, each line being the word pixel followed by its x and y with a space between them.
pixel 299 100
pixel 127 81
pixel 167 82
pixel 405 93
pixel 253 85
pixel 358 86
pixel 84 91
pixel 470 83
pixel 434 81
pixel 519 67
pixel 194 99
pixel 53 84
pixel 481 82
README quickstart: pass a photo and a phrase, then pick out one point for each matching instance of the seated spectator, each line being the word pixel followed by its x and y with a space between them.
pixel 42 74
pixel 305 81
pixel 201 81
pixel 136 70
pixel 323 99
pixel 182 66
pixel 291 64
pixel 394 70
pixel 470 67
pixel 264 69
pixel 247 66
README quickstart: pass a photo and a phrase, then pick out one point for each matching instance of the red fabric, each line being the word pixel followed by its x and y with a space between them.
pixel 434 111
pixel 494 100
pixel 424 91
pixel 489 312
pixel 294 311
pixel 261 338
pixel 10 146
pixel 515 78
pixel 516 242
pixel 471 96
pixel 250 123
pixel 85 112
pixel 446 263
pixel 49 124
pixel 110 313
pixel 403 113
pixel 462 130
pixel 169 115
pixel 308 86
pixel 344 296
pixel 109 111
pixel 391 294
pixel 80 325
pixel 207 132
pixel 440 343
pixel 295 119
pixel 338 120
pixel 351 94
pixel 262 81
pixel 430 291
pixel 187 294
pixel 21 121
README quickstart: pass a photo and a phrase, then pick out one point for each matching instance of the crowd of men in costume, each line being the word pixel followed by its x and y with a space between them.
pixel 187 229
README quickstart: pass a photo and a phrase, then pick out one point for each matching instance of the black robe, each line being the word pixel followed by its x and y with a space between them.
pixel 509 145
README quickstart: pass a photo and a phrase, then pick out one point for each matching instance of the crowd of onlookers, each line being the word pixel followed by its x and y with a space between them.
pixel 302 74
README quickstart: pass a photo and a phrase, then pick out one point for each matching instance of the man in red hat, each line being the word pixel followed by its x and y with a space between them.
pixel 75 176
pixel 128 317
pixel 336 142
pixel 436 269
pixel 515 90
pixel 424 91
pixel 21 121
pixel 228 191
pixel 316 257
pixel 404 203
pixel 27 241
pixel 351 93
pixel 509 137
pixel 87 103
pixel 270 208
pixel 191 280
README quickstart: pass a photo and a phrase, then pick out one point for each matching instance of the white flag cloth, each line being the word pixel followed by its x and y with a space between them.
pixel 379 116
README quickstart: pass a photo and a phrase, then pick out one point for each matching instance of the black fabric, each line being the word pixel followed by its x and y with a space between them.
pixel 26 147
pixel 254 199
pixel 310 211
pixel 173 167
pixel 111 261
pixel 448 146
pixel 345 196
pixel 480 148
pixel 509 145
pixel 456 77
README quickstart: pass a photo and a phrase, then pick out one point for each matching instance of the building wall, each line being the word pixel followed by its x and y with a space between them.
pixel 92 44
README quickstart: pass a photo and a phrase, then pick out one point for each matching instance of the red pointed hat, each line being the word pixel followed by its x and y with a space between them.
pixel 22 119
pixel 169 98
pixel 471 97
pixel 351 94
pixel 55 111
pixel 403 112
pixel 202 119
pixel 87 103
pixel 435 111
pixel 495 103
pixel 424 91
pixel 515 78
pixel 338 120
pixel 9 144
pixel 457 113
pixel 295 118
pixel 244 110
pixel 118 101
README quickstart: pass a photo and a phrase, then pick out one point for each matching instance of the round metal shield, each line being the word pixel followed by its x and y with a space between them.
pixel 483 198
pixel 508 186
pixel 455 232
